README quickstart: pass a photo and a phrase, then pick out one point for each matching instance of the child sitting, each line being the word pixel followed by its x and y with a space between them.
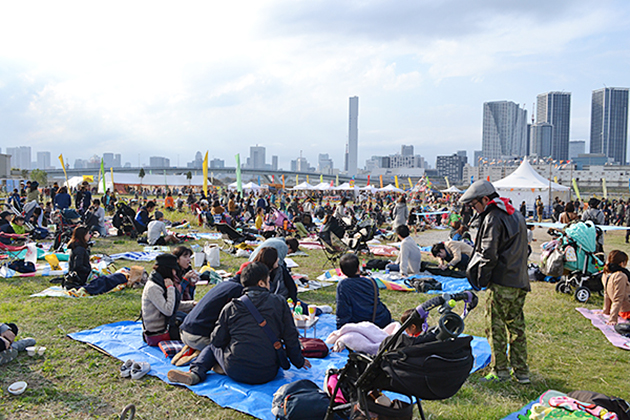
pixel 18 225
pixel 8 346
pixel 358 298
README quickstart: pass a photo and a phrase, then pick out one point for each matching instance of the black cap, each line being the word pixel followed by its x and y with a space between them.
pixel 167 261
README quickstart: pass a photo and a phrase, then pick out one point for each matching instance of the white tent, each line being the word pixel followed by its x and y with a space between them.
pixel 322 186
pixel 451 189
pixel 73 182
pixel 250 186
pixel 345 187
pixel 525 184
pixel 303 186
pixel 369 188
pixel 391 188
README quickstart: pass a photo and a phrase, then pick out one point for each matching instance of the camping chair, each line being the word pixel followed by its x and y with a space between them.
pixel 333 247
pixel 232 235
pixel 10 207
pixel 9 253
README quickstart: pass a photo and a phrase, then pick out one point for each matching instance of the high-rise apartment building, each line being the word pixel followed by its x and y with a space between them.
pixel 504 130
pixel 542 138
pixel 406 150
pixel 159 162
pixel 352 150
pixel 43 160
pixel 609 123
pixel 257 157
pixel 576 148
pixel 555 108
pixel 20 157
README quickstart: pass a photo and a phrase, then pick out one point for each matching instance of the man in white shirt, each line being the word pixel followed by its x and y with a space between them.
pixel 157 234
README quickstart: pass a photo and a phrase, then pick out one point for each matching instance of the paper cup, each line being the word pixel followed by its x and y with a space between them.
pixel 31 351
pixel 17 388
pixel 41 351
pixel 312 309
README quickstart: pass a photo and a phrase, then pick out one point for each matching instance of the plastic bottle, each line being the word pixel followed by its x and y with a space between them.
pixel 298 309
pixel 290 303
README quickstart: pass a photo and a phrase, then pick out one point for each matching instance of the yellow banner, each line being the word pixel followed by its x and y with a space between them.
pixel 63 166
pixel 88 178
pixel 337 180
pixel 205 175
pixel 321 178
pixel 307 179
pixel 381 178
pixel 448 184
pixel 396 180
pixel 410 183
pixel 577 191
pixel 555 179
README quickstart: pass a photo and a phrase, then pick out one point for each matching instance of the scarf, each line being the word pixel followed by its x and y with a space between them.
pixel 502 204
pixel 613 268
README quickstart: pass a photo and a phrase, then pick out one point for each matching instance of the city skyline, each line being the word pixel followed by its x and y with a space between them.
pixel 279 73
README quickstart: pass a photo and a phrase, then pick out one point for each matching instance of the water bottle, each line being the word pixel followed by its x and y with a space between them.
pixel 387 271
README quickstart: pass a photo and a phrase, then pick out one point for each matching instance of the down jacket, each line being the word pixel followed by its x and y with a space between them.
pixel 249 355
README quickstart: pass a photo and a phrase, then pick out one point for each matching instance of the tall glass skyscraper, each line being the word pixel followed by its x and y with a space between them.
pixel 555 108
pixel 352 148
pixel 504 130
pixel 609 123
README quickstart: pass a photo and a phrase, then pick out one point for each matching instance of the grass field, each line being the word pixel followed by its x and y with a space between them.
pixel 74 381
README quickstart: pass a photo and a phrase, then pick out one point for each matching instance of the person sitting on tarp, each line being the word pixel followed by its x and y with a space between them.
pixel 358 297
pixel 239 346
pixel 143 217
pixel 409 257
pixel 18 225
pixel 453 255
pixel 5 225
pixel 281 282
pixel 62 199
pixel 616 288
pixel 156 232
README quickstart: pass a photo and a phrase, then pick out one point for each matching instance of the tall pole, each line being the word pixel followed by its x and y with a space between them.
pixel 550 186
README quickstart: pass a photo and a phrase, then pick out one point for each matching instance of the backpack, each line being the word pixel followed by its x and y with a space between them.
pixel 614 404
pixel 22 266
pixel 300 400
pixel 313 348
pixel 424 284
pixel 376 264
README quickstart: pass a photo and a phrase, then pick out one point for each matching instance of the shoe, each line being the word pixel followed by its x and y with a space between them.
pixel 125 369
pixel 139 369
pixel 184 360
pixel 218 369
pixel 494 378
pixel 185 351
pixel 522 378
pixel 181 377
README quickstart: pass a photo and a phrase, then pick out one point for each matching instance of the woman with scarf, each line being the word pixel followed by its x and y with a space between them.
pixel 616 287
pixel 187 277
pixel 163 309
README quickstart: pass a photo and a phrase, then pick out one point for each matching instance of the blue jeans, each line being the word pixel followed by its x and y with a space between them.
pixel 206 360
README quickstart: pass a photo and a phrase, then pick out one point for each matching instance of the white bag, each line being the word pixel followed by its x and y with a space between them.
pixel 31 253
pixel 213 255
pixel 199 258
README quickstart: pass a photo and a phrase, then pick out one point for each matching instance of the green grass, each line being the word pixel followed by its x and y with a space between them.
pixel 75 381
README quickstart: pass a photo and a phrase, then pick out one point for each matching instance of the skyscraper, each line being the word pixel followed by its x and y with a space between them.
pixel 555 108
pixel 43 160
pixel 576 148
pixel 20 157
pixel 542 135
pixel 257 157
pixel 504 130
pixel 353 137
pixel 609 123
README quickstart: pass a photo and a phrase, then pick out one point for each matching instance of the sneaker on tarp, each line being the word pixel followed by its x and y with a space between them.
pixel 139 369
pixel 125 369
pixel 182 377
pixel 495 377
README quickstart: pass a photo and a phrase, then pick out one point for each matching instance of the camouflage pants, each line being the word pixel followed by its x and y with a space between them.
pixel 505 308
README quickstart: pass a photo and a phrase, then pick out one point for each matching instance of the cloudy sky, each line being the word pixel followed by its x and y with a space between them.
pixel 170 78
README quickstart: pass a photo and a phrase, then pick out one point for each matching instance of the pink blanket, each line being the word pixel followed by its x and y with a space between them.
pixel 599 321
pixel 364 337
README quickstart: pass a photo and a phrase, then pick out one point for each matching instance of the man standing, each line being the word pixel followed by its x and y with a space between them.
pixel 499 262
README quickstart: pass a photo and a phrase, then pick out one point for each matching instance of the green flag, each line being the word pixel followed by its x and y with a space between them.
pixel 239 183
pixel 103 176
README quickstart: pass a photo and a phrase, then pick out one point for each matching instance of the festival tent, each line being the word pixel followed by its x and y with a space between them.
pixel 303 186
pixel 73 182
pixel 525 184
pixel 149 180
pixel 369 188
pixel 345 187
pixel 250 186
pixel 452 189
pixel 391 188
pixel 322 186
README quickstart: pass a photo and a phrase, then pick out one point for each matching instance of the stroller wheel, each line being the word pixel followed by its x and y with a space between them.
pixel 582 294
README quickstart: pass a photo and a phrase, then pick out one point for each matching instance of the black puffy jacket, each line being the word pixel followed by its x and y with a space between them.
pixel 249 355
pixel 79 262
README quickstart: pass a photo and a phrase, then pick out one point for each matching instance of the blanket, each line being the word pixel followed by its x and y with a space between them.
pixel 363 336
pixel 599 321
pixel 123 340
pixel 136 256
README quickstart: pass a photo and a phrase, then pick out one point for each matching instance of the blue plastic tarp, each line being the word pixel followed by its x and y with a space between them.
pixel 449 284
pixel 123 340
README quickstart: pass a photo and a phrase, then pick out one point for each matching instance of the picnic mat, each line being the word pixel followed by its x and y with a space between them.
pixel 123 340
pixel 599 321
pixel 136 256
pixel 522 414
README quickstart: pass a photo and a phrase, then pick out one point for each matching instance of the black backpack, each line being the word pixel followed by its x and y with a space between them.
pixel 614 404
pixel 300 400
pixel 376 264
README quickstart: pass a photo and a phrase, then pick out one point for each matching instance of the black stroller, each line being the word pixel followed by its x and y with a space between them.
pixel 123 220
pixel 232 234
pixel 432 366
pixel 65 222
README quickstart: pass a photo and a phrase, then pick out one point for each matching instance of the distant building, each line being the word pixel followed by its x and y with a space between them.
pixel 504 130
pixel 127 164
pixel 216 163
pixel 609 123
pixel 20 157
pixel 324 163
pixel 159 162
pixel 5 165
pixel 542 139
pixel 478 155
pixel 555 108
pixel 591 159
pixel 406 150
pixel 301 165
pixel 576 148
pixel 80 164
pixel 257 157
pixel 197 163
pixel 117 160
pixel 352 151
pixel 43 160
pixel 274 163
pixel 451 167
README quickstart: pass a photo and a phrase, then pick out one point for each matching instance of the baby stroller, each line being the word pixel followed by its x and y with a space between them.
pixel 358 234
pixel 231 234
pixel 582 265
pixel 278 224
pixel 432 366
pixel 123 220
pixel 65 222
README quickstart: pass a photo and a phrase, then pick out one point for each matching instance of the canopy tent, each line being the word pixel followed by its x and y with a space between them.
pixel 452 189
pixel 345 187
pixel 391 188
pixel 369 188
pixel 322 186
pixel 525 184
pixel 73 182
pixel 250 186
pixel 303 186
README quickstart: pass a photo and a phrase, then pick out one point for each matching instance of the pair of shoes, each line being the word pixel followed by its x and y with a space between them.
pixel 181 377
pixel 522 378
pixel 185 351
pixel 184 360
pixel 494 378
pixel 134 370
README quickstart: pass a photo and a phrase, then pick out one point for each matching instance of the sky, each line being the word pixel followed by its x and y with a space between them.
pixel 169 79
